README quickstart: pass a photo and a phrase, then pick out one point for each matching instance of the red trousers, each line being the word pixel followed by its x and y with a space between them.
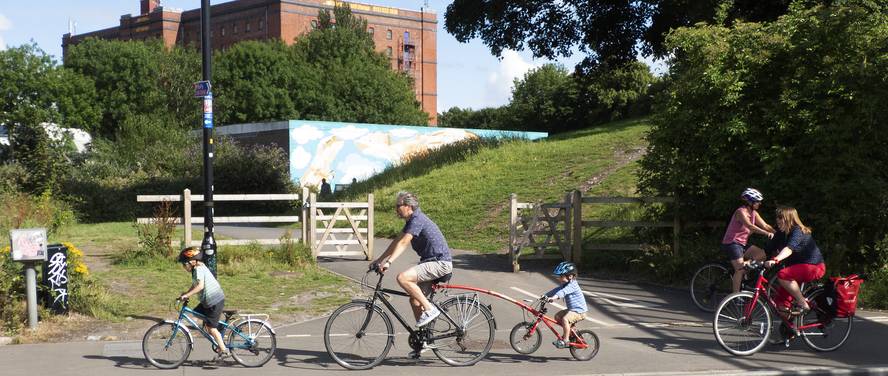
pixel 800 273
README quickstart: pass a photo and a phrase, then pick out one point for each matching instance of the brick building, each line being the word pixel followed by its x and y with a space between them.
pixel 408 37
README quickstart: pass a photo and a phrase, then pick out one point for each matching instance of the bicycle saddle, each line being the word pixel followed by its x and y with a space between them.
pixel 443 279
pixel 229 312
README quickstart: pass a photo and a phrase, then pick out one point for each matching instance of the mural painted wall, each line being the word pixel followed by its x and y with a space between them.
pixel 341 152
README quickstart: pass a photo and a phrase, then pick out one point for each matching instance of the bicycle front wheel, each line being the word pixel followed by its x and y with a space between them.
pixel 592 345
pixel 166 345
pixel 523 340
pixel 471 339
pixel 826 333
pixel 710 284
pixel 742 324
pixel 358 335
pixel 252 343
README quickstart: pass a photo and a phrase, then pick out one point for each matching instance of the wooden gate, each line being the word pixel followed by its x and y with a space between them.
pixel 546 229
pixel 340 227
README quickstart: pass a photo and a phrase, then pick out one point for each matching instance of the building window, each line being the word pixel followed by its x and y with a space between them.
pixel 388 34
pixel 370 30
pixel 314 24
pixel 388 51
pixel 234 28
pixel 406 36
pixel 223 31
pixel 261 24
pixel 247 27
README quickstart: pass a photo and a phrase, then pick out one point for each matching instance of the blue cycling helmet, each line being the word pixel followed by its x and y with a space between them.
pixel 752 195
pixel 565 267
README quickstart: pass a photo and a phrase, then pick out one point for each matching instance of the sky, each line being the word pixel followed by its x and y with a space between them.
pixel 469 76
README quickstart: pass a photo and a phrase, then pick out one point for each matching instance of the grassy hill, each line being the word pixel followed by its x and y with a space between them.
pixel 465 187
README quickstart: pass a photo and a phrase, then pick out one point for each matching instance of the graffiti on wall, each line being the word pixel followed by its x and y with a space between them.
pixel 341 152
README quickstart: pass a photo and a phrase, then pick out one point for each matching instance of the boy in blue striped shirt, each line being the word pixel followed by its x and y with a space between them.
pixel 570 291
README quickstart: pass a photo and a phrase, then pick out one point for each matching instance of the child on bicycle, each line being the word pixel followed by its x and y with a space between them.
pixel 212 299
pixel 570 291
pixel 744 221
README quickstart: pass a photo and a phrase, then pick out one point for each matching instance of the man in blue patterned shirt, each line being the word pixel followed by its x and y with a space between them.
pixel 426 239
pixel 570 291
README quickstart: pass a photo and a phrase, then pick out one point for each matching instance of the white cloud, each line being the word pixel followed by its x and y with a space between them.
pixel 403 132
pixel 305 134
pixel 5 24
pixel 499 83
pixel 300 158
pixel 358 167
pixel 350 132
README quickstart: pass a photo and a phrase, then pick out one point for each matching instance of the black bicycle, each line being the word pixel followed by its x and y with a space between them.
pixel 359 334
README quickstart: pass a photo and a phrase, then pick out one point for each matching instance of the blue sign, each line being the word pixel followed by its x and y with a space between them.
pixel 201 88
pixel 208 120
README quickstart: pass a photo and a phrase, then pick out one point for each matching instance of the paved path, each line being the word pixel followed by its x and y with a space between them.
pixel 644 330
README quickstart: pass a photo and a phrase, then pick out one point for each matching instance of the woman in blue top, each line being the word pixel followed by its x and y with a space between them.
pixel 802 257
pixel 570 291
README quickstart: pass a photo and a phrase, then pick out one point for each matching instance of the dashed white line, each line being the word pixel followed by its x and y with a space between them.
pixel 528 293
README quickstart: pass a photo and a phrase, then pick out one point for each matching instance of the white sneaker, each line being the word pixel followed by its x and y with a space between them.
pixel 427 317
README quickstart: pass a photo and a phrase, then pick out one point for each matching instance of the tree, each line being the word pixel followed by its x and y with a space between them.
pixel 256 81
pixel 606 93
pixel 136 77
pixel 485 118
pixel 35 91
pixel 609 31
pixel 543 99
pixel 348 79
pixel 795 108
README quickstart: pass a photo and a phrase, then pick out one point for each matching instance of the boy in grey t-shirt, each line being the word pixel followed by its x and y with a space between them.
pixel 212 299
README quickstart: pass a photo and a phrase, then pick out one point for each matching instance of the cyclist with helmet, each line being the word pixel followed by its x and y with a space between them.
pixel 570 291
pixel 744 221
pixel 212 299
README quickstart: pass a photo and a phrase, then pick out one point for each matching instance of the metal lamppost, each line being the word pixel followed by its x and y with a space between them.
pixel 204 89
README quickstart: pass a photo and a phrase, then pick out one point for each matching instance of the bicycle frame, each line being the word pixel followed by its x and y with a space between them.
pixel 380 292
pixel 761 290
pixel 539 315
pixel 185 311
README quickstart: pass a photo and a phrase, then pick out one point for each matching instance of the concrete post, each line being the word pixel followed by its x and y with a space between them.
pixel 31 286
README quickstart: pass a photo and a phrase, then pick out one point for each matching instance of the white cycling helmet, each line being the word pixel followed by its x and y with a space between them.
pixel 752 195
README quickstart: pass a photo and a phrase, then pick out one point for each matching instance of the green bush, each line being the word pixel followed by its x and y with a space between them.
pixel 794 108
pixel 12 177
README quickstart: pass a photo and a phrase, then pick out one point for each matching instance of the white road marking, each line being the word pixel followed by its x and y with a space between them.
pixel 604 297
pixel 528 293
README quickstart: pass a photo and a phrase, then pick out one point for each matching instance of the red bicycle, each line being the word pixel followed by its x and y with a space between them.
pixel 742 322
pixel 526 336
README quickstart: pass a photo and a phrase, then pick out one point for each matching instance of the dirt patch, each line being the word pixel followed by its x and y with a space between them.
pixel 623 157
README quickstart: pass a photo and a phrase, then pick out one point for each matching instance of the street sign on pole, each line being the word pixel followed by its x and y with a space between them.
pixel 201 88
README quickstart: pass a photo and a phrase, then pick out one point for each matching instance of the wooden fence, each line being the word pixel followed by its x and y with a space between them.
pixel 562 225
pixel 329 215
pixel 187 219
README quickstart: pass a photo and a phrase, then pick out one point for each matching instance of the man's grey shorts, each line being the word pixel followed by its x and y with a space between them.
pixel 430 271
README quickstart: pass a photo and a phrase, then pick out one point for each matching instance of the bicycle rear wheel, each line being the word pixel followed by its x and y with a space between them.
pixel 524 341
pixel 358 335
pixel 253 343
pixel 471 340
pixel 737 332
pixel 166 345
pixel 710 284
pixel 592 345
pixel 830 332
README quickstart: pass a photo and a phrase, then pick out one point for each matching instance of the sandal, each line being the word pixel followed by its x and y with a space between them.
pixel 798 311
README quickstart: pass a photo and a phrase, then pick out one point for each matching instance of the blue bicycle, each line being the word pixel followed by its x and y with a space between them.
pixel 250 339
